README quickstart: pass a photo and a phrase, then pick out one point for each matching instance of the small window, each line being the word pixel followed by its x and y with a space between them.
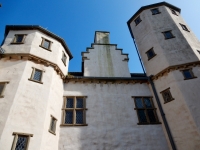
pixel 167 96
pixel 19 39
pixel 188 74
pixel 146 111
pixel 52 128
pixel 64 58
pixel 2 88
pixel 74 111
pixel 150 53
pixel 137 20
pixel 46 44
pixel 198 51
pixel 21 141
pixel 36 75
pixel 174 12
pixel 168 35
pixel 184 27
pixel 155 11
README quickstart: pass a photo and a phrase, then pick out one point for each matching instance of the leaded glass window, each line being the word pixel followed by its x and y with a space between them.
pixel 74 111
pixel 138 20
pixel 145 110
pixel 46 44
pixel 167 96
pixel 19 39
pixel 150 53
pixel 64 58
pixel 36 75
pixel 188 74
pixel 168 35
pixel 155 11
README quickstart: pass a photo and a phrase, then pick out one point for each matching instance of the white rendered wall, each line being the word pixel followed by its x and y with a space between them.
pixel 28 105
pixel 31 46
pixel 112 120
pixel 105 61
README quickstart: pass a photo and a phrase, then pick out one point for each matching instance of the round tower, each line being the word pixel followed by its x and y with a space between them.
pixel 169 51
pixel 33 64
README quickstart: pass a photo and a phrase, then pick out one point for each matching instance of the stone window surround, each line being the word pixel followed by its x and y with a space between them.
pixel 140 20
pixel 155 9
pixel 154 108
pixel 54 126
pixel 171 34
pixel 84 109
pixel 168 91
pixel 191 72
pixel 184 27
pixel 148 55
pixel 16 138
pixel 50 44
pixel 15 37
pixel 32 75
pixel 5 83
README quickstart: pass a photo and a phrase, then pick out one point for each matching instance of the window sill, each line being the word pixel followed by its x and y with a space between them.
pixel 45 48
pixel 169 38
pixel 52 132
pixel 17 43
pixel 35 81
pixel 149 123
pixel 190 78
pixel 169 101
pixel 73 125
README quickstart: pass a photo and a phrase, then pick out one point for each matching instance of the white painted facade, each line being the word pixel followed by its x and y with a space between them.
pixel 112 120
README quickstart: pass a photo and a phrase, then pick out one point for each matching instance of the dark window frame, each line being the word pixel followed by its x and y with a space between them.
pixel 16 135
pixel 14 41
pixel 74 110
pixel 191 73
pixel 148 56
pixel 184 27
pixel 165 32
pixel 52 127
pixel 146 111
pixel 155 13
pixel 170 95
pixel 33 73
pixel 136 20
pixel 42 44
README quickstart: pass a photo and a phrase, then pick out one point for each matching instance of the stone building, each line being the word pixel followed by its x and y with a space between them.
pixel 45 107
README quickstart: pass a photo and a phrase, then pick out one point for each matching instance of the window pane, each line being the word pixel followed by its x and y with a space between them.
pixel 69 117
pixel 46 44
pixel 79 117
pixel 151 115
pixel 139 103
pixel 1 87
pixel 147 102
pixel 37 76
pixel 19 38
pixel 168 35
pixel 187 74
pixel 79 103
pixel 167 96
pixel 21 143
pixel 155 11
pixel 150 53
pixel 142 116
pixel 70 103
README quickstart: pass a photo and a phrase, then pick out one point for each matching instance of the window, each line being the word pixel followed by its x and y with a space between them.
pixel 46 44
pixel 198 51
pixel 64 58
pixel 36 75
pixel 19 39
pixel 2 88
pixel 52 128
pixel 155 11
pixel 184 27
pixel 174 12
pixel 21 141
pixel 150 53
pixel 168 35
pixel 137 20
pixel 188 74
pixel 167 96
pixel 146 111
pixel 74 111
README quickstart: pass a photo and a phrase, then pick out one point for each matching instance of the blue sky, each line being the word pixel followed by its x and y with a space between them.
pixel 77 20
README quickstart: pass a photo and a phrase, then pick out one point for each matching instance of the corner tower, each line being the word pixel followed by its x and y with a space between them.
pixel 169 51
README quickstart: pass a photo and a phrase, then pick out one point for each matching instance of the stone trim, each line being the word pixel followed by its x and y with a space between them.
pixel 175 67
pixel 35 59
